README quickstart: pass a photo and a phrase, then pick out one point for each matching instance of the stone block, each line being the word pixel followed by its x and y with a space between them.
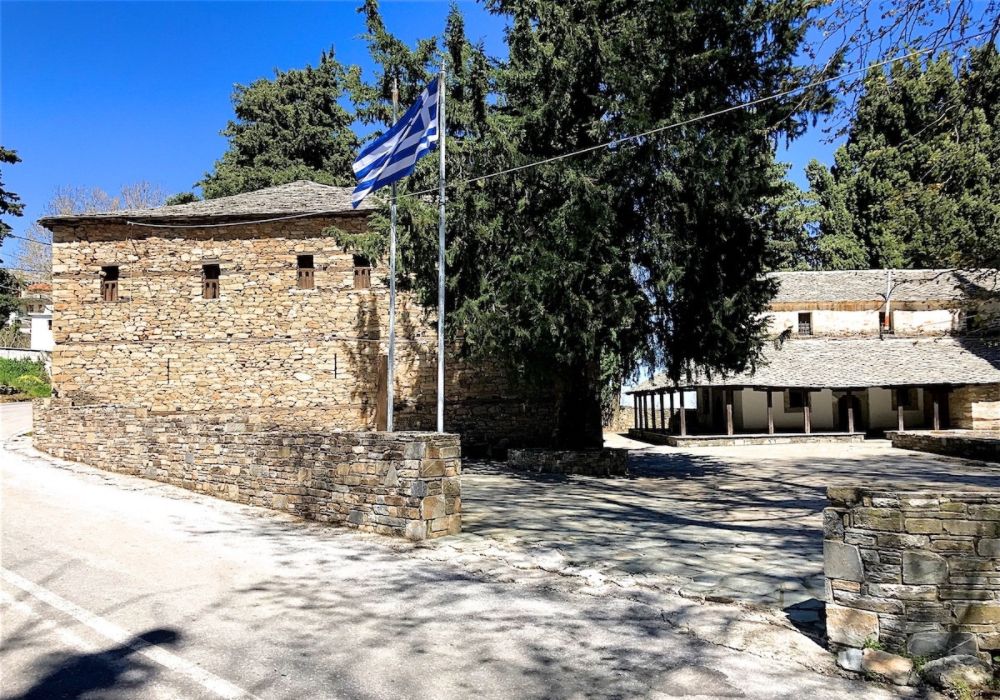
pixel 954 672
pixel 937 643
pixel 432 507
pixel 903 591
pixel 850 659
pixel 833 524
pixel 922 526
pixel 894 668
pixel 978 614
pixel 924 567
pixel 850 627
pixel 842 561
pixel 989 547
pixel 877 519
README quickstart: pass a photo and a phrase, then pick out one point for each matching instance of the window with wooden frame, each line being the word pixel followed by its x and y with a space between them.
pixel 306 270
pixel 905 397
pixel 109 283
pixel 795 400
pixel 210 281
pixel 805 324
pixel 362 272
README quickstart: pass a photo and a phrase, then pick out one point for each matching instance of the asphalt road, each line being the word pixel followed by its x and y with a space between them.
pixel 117 587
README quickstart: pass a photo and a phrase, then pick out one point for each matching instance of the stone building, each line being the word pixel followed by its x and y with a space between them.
pixel 243 303
pixel 854 352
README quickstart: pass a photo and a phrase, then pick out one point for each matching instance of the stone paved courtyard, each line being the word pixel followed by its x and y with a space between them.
pixel 736 523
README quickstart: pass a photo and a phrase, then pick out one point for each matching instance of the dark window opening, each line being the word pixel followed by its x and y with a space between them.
pixel 796 399
pixel 210 281
pixel 362 272
pixel 885 323
pixel 109 283
pixel 50 324
pixel 306 277
pixel 905 398
pixel 805 324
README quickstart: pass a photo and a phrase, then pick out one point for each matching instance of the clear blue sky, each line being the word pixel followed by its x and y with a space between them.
pixel 104 94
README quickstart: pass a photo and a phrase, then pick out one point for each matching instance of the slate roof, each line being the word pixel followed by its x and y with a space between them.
pixel 841 363
pixel 869 285
pixel 301 197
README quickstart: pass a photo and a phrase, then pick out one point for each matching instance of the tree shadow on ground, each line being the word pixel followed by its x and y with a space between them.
pixel 113 672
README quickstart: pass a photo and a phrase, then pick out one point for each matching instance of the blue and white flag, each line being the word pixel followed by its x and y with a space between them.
pixel 394 155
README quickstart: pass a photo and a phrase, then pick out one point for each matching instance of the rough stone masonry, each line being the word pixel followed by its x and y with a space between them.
pixel 402 484
pixel 918 572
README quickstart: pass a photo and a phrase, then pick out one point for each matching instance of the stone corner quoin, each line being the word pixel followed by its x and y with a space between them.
pixel 918 572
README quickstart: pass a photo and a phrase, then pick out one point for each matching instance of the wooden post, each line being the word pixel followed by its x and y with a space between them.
pixel 728 393
pixel 669 422
pixel 770 412
pixel 663 411
pixel 635 411
pixel 806 413
pixel 936 399
pixel 850 411
pixel 642 411
pixel 683 416
pixel 899 412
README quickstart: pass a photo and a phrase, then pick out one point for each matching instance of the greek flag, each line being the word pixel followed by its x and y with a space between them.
pixel 394 155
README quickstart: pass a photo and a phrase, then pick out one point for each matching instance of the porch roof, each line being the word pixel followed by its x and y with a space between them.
pixel 835 363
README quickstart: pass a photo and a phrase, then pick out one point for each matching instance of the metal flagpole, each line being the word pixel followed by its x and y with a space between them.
pixel 390 388
pixel 441 136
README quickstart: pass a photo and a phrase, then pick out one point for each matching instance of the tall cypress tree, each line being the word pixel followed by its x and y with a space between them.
pixel 291 127
pixel 578 270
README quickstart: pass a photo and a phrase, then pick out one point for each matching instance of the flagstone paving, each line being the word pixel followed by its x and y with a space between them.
pixel 725 523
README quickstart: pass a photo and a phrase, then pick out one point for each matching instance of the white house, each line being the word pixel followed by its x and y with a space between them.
pixel 853 352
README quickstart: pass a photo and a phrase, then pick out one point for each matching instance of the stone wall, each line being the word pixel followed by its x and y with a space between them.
pixel 916 571
pixel 264 344
pixel 975 407
pixel 401 484
pixel 597 462
pixel 622 421
pixel 956 443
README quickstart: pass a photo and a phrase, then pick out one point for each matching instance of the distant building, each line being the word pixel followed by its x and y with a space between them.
pixel 245 304
pixel 34 316
pixel 854 351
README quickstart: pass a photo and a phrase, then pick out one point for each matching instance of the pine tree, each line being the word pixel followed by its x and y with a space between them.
pixel 10 205
pixel 578 270
pixel 292 127
pixel 915 184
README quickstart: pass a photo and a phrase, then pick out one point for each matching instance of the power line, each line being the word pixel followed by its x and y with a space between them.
pixel 25 238
pixel 606 144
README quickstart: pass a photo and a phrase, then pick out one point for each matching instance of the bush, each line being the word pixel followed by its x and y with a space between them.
pixel 26 376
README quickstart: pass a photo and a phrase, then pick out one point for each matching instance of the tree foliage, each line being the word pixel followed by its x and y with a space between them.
pixel 916 183
pixel 10 205
pixel 293 127
pixel 578 270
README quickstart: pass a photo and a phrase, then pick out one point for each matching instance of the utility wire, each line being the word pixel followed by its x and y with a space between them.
pixel 606 144
pixel 26 238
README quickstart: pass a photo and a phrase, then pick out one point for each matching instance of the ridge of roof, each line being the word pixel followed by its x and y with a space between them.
pixel 301 197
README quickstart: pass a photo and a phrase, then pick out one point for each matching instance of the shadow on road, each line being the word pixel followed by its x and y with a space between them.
pixel 116 671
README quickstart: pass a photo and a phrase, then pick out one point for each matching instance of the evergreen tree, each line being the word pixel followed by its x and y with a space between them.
pixel 915 184
pixel 10 205
pixel 577 270
pixel 293 127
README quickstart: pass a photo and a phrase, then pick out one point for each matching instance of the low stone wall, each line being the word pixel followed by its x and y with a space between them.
pixel 918 572
pixel 955 443
pixel 598 462
pixel 401 484
pixel 737 440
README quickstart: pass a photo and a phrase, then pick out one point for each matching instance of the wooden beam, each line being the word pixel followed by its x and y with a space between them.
pixel 899 413
pixel 936 399
pixel 683 417
pixel 806 414
pixel 770 412
pixel 728 393
pixel 663 411
pixel 670 422
pixel 635 411
pixel 850 411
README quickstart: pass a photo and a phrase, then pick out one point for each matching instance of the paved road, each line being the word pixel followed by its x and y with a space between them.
pixel 116 587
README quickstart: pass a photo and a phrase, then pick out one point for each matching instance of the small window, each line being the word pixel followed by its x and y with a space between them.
pixel 796 399
pixel 805 324
pixel 884 323
pixel 904 398
pixel 109 283
pixel 362 272
pixel 306 277
pixel 50 324
pixel 210 281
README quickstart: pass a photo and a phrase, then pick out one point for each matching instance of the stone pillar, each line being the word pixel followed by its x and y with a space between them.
pixel 770 412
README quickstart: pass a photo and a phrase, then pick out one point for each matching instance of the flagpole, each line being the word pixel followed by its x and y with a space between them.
pixel 391 369
pixel 441 228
